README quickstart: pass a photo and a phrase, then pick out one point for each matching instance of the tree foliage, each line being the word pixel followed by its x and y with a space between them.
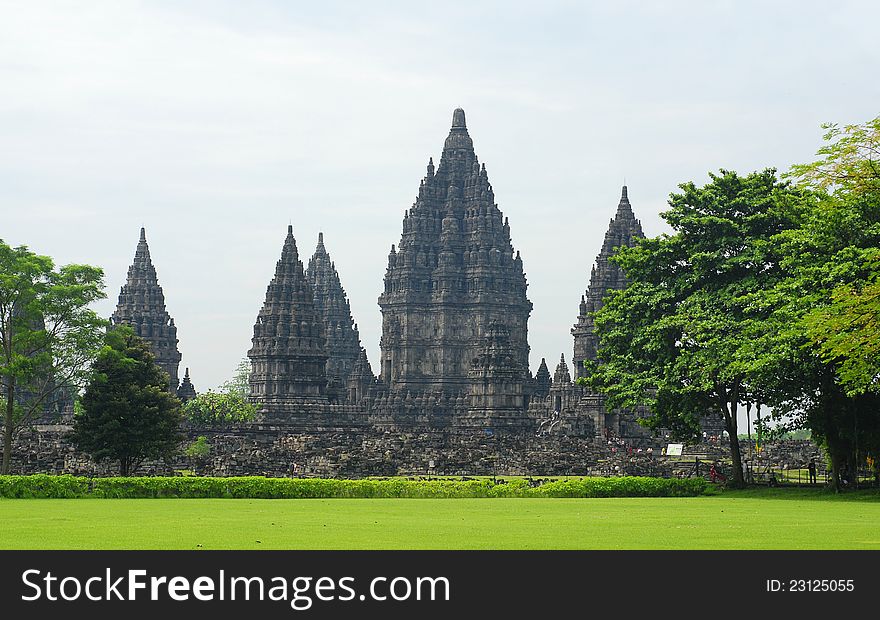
pixel 239 384
pixel 846 330
pixel 824 342
pixel 849 163
pixel 842 244
pixel 128 413
pixel 228 406
pixel 48 334
pixel 681 336
pixel 218 409
pixel 199 450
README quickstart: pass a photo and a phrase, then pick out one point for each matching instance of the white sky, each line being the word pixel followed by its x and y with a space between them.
pixel 216 123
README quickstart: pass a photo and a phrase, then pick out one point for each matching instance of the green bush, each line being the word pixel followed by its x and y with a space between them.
pixel 199 449
pixel 258 487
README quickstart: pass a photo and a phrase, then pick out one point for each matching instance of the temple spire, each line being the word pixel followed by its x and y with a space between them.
pixel 542 379
pixel 455 266
pixel 458 144
pixel 141 305
pixel 624 209
pixel 186 391
pixel 561 376
pixel 142 251
pixel 458 121
pixel 623 231
pixel 288 354
pixel 331 304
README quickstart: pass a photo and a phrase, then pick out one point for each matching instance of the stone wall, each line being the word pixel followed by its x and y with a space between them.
pixel 328 451
pixel 275 451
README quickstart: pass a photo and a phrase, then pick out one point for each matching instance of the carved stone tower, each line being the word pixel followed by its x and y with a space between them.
pixel 288 356
pixel 542 379
pixel 331 304
pixel 606 276
pixel 361 381
pixel 453 273
pixel 187 390
pixel 497 377
pixel 142 306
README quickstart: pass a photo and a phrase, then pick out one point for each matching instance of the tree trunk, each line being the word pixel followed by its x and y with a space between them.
pixel 729 411
pixel 735 455
pixel 8 427
pixel 837 460
pixel 749 426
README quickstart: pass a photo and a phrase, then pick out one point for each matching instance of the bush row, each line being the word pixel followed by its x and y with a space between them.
pixel 43 486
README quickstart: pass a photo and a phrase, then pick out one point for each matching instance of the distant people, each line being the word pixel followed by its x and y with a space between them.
pixel 811 469
pixel 715 474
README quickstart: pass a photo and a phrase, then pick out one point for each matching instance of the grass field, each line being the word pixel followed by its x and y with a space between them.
pixel 757 519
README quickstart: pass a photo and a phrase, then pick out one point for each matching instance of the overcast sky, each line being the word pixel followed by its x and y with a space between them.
pixel 214 124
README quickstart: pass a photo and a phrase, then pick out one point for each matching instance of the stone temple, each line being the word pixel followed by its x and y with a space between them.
pixel 452 393
pixel 141 305
pixel 453 274
pixel 453 385
pixel 343 343
pixel 605 277
pixel 454 348
pixel 289 353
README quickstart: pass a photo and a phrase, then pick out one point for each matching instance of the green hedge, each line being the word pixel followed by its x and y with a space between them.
pixel 258 487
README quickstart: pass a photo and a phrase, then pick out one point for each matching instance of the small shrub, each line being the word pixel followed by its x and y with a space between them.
pixel 199 449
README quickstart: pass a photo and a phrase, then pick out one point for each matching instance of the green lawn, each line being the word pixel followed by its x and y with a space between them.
pixel 760 519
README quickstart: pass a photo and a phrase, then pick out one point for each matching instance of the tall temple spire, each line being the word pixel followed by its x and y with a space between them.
pixel 623 231
pixel 142 306
pixel 453 273
pixel 331 304
pixel 288 355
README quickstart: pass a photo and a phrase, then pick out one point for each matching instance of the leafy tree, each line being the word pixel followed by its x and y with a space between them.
pixel 199 449
pixel 847 330
pixel 48 335
pixel 228 406
pixel 218 408
pixel 849 162
pixel 680 336
pixel 128 413
pixel 843 244
pixel 822 339
pixel 240 382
